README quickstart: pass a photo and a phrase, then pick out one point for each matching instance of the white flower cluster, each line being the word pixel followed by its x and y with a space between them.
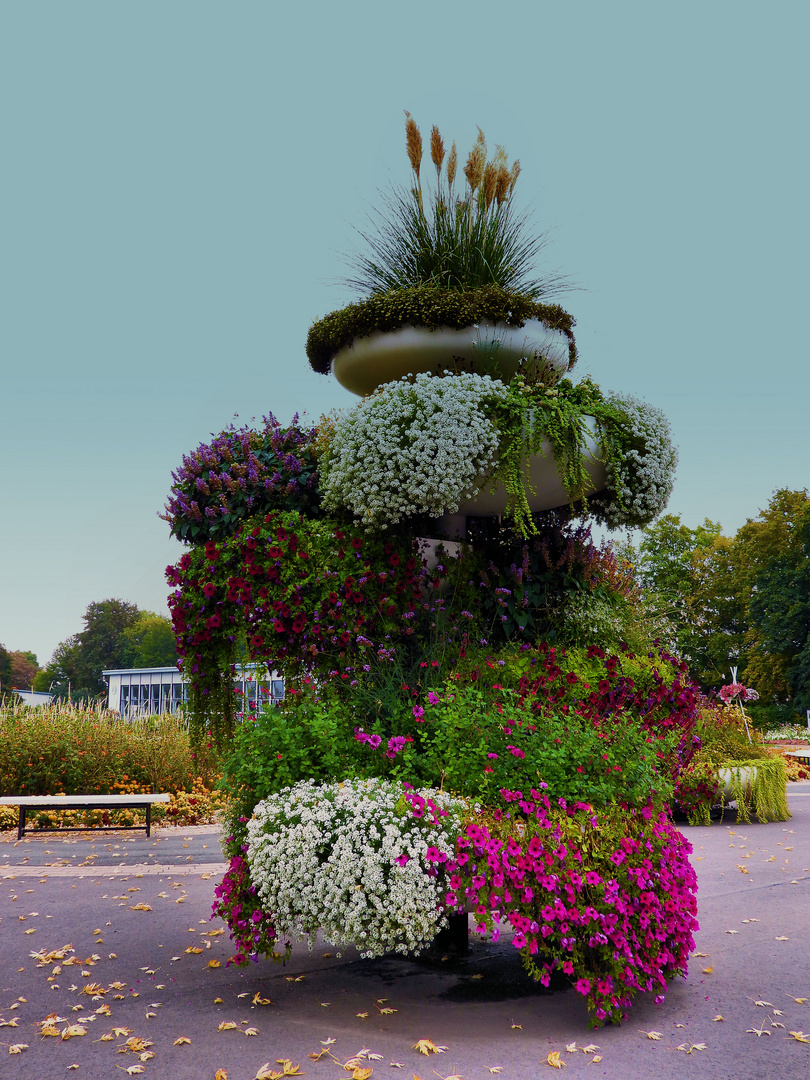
pixel 643 481
pixel 351 859
pixel 415 446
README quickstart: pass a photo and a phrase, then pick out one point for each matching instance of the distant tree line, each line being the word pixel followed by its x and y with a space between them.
pixel 741 601
pixel 116 634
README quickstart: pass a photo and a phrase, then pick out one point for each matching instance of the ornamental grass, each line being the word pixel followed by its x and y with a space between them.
pixel 69 748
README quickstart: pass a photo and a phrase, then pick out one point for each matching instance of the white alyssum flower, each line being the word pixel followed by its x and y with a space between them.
pixel 350 859
pixel 639 487
pixel 416 446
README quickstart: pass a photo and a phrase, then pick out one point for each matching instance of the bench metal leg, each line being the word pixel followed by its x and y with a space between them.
pixel 148 819
pixel 21 824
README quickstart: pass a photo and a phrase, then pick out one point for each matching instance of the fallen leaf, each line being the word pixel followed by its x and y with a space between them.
pixel 690 1047
pixel 182 1041
pixel 764 1004
pixel 221 1074
pixel 799 1001
pixel 732 931
pixel 799 1036
pixel 651 1034
pixel 363 1016
pixel 17 1048
pixel 213 963
pixel 591 1048
pixel 571 1048
pixel 227 1025
pixel 10 1023
pixel 517 1027
pixel 781 939
pixel 718 1017
pixel 757 1031
pixel 707 971
pixel 553 1060
pixel 140 907
pixel 194 949
pixel 496 1069
pixel 251 1031
pixel 595 1059
pixel 73 1030
pixel 425 1046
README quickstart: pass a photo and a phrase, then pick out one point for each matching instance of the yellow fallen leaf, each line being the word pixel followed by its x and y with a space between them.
pixel 140 907
pixel 591 1048
pixel 426 1046
pixel 656 1035
pixel 182 1041
pixel 10 1023
pixel 218 1001
pixel 718 1017
pixel 287 1067
pixel 764 1004
pixel 107 1037
pixel 781 939
pixel 133 1069
pixel 496 1069
pixel 137 1045
pixel 595 1059
pixel 17 1048
pixel 517 1027
pixel 49 1029
pixel 688 1048
pixel 364 1074
pixel 213 963
pixel 251 1031
pixel 799 1036
pixel 221 1074
pixel 120 1032
pixel 571 1048
pixel 707 971
pixel 227 1025
pixel 267 1072
pixel 799 1001
pixel 33 930
pixel 553 1060
pixel 363 1016
pixel 194 949
pixel 73 1030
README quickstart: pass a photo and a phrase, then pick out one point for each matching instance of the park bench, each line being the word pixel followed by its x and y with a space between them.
pixel 82 802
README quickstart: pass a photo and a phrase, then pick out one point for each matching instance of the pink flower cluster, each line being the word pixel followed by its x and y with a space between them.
pixel 736 691
pixel 252 930
pixel 618 915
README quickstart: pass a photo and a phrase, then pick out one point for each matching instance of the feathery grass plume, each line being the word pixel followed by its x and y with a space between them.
pixel 452 162
pixel 413 144
pixel 502 184
pixel 514 174
pixel 474 169
pixel 436 149
pixel 490 185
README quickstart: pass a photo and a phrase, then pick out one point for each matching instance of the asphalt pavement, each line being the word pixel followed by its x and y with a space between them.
pixel 106 941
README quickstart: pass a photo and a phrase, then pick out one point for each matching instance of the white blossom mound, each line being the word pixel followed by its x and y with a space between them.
pixel 416 446
pixel 352 860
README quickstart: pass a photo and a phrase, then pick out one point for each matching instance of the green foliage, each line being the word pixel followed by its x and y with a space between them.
pixel 5 670
pixel 780 610
pixel 69 749
pixel 432 307
pixel 149 642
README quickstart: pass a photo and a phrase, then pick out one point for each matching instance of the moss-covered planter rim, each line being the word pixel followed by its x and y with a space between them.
pixel 425 306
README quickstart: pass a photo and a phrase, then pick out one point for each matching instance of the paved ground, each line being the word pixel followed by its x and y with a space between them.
pixel 141 960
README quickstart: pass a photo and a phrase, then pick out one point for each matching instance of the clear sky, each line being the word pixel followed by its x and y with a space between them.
pixel 180 178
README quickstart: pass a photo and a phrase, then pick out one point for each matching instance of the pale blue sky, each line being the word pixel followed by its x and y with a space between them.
pixel 179 179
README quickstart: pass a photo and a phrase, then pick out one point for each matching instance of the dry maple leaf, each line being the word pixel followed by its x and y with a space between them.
pixel 360 1073
pixel 553 1060
pixel 799 1036
pixel 259 1000
pixel 140 907
pixel 591 1048
pixel 251 1031
pixel 13 1022
pixel 425 1046
pixel 764 1004
pixel 194 949
pixel 227 1025
pixel 213 963
pixel 221 1074
pixel 688 1048
pixel 757 1031
pixel 595 1059
pixel 718 1017
pixel 17 1048
pixel 517 1027
pixel 656 1035
pixel 781 939
pixel 182 1041
pixel 707 971
pixel 363 1016
pixel 73 1030
pixel 496 1069
pixel 799 1001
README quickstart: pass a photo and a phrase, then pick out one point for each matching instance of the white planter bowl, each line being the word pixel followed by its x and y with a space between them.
pixel 368 362
pixel 747 775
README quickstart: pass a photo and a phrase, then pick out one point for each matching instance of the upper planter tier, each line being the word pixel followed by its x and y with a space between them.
pixel 424 329
pixel 488 348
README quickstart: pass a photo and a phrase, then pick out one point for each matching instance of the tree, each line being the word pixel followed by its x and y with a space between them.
pixel 150 642
pixel 24 667
pixel 664 567
pixel 5 670
pixel 780 609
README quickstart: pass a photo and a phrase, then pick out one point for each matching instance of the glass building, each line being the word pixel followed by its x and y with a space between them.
pixel 142 691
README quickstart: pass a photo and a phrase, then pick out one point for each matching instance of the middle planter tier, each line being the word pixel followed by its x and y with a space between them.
pixel 488 348
pixel 544 477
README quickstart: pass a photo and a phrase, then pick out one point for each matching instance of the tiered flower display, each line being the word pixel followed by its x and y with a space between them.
pixel 452 738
